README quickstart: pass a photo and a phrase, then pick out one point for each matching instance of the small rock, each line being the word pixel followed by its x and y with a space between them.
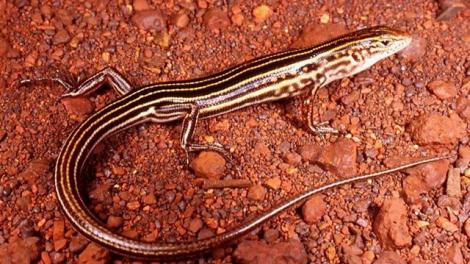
pixel 216 19
pixel 261 150
pixel 293 158
pixel 256 192
pixel 58 230
pixel 424 178
pixel 35 170
pixel 208 164
pixel 434 128
pixel 140 5
pixel 150 20
pixel 314 209
pixel 453 183
pixel 61 37
pixel 257 252
pixel 77 244
pixel 274 183
pixel 310 152
pixel 449 9
pixel 134 205
pixel 318 33
pixel 466 228
pixel 93 254
pixel 195 225
pixel 442 89
pixel 150 199
pixel 78 106
pixel 261 13
pixel 114 222
pixel 390 225
pixel 416 50
pixel 20 251
pixel 4 47
pixel 447 225
pixel 389 257
pixel 181 20
pixel 57 257
pixel 339 158
pixel 454 255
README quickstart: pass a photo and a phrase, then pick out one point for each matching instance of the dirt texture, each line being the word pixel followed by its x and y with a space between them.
pixel 413 105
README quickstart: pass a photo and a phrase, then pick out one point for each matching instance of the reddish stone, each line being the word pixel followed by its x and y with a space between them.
pixel 424 178
pixel 150 20
pixel 114 222
pixel 310 152
pixel 416 50
pixel 256 192
pixel 314 209
pixel 216 19
pixel 140 5
pixel 318 33
pixel 20 251
pixel 195 225
pixel 442 89
pixel 437 129
pixel 94 254
pixel 390 225
pixel 61 37
pixel 79 106
pixel 208 164
pixel 258 252
pixel 293 158
pixel 454 254
pixel 339 158
pixel 389 257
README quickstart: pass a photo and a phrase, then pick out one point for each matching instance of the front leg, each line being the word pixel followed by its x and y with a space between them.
pixel 189 124
pixel 321 128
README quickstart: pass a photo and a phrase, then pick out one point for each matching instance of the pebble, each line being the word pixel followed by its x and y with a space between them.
pixel 36 169
pixel 424 178
pixel 4 47
pixel 466 227
pixel 262 150
pixel 454 254
pixel 114 222
pixel 389 257
pixel 416 50
pixel 181 20
pixel 274 183
pixel 390 225
pixel 94 254
pixel 150 20
pixel 453 183
pixel 216 19
pixel 255 252
pixel 195 225
pixel 140 5
pixel 449 9
pixel 310 152
pixel 20 251
pixel 318 33
pixel 208 164
pixel 61 37
pixel 256 192
pixel 261 13
pixel 149 199
pixel 293 158
pixel 77 244
pixel 314 209
pixel 339 157
pixel 447 225
pixel 57 257
pixel 134 205
pixel 443 89
pixel 434 128
pixel 78 106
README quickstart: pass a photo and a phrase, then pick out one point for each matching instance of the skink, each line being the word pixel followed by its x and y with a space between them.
pixel 274 77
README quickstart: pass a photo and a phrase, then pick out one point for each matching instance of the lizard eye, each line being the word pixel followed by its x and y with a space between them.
pixel 385 42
